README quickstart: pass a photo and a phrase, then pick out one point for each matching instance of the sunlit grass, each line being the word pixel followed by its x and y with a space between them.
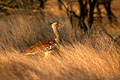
pixel 76 63
pixel 94 57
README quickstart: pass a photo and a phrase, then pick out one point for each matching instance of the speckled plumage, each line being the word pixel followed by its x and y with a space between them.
pixel 43 46
pixel 46 46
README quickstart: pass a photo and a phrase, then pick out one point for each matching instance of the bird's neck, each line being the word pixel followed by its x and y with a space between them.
pixel 56 32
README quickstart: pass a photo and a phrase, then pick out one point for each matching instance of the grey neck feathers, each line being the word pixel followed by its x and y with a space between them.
pixel 56 32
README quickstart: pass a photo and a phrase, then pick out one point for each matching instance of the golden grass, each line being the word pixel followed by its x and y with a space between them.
pixel 76 63
pixel 95 58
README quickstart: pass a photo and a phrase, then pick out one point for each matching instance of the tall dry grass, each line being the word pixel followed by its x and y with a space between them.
pixel 78 63
pixel 95 58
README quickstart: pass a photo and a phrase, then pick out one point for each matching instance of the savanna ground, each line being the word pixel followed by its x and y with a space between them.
pixel 94 56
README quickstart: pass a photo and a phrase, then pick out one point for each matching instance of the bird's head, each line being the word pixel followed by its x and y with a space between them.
pixel 56 24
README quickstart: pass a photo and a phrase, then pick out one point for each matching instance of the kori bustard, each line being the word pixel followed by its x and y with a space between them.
pixel 46 46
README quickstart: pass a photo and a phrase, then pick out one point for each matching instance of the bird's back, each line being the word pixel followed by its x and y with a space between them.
pixel 45 45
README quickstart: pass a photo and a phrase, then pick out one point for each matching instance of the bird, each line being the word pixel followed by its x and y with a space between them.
pixel 45 46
